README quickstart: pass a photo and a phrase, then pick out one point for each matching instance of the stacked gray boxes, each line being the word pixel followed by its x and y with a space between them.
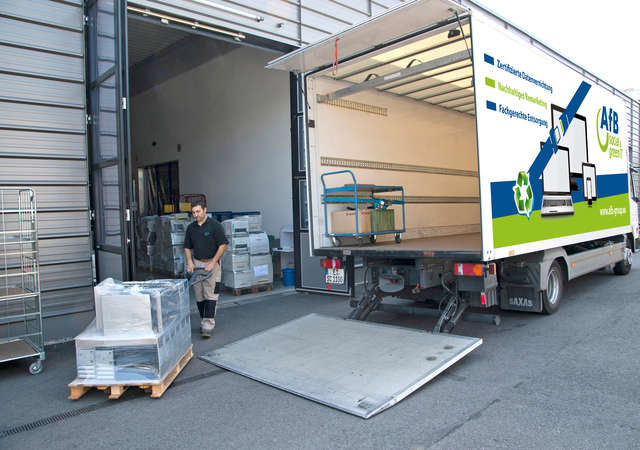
pixel 141 331
pixel 145 244
pixel 168 256
pixel 260 258
pixel 236 273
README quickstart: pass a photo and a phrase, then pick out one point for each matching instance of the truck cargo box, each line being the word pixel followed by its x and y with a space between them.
pixel 503 147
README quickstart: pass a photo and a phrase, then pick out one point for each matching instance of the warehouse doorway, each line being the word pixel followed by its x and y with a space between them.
pixel 202 99
pixel 207 122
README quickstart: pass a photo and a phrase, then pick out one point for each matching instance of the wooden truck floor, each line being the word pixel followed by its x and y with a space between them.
pixel 465 246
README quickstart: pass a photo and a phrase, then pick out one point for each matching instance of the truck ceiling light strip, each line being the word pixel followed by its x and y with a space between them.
pixel 425 76
pixel 230 10
pixel 193 24
pixel 396 59
pixel 379 165
pixel 357 106
pixel 396 76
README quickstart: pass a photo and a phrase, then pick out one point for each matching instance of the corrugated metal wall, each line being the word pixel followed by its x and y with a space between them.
pixel 296 22
pixel 43 139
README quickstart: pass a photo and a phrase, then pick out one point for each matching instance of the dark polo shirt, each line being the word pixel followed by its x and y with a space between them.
pixel 204 239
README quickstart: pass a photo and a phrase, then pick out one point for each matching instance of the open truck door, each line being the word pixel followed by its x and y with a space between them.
pixel 394 25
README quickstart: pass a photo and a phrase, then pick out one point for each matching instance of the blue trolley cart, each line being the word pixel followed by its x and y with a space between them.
pixel 360 194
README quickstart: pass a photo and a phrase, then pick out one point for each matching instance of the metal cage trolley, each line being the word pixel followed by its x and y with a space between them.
pixel 361 194
pixel 20 303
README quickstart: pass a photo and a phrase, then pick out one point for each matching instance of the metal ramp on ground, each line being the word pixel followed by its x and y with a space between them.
pixel 358 367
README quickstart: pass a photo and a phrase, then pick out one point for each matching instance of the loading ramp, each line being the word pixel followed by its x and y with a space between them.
pixel 361 368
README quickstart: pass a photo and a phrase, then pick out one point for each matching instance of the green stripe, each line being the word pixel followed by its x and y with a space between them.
pixel 517 229
pixel 489 82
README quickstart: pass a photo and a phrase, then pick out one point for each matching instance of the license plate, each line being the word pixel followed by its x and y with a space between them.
pixel 334 276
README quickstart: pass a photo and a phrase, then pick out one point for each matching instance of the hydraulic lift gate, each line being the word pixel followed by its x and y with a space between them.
pixel 358 367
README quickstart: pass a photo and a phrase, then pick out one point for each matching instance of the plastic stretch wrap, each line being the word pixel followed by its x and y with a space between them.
pixel 123 358
pixel 140 332
pixel 139 305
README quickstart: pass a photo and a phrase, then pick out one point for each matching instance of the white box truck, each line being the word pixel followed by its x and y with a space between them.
pixel 507 167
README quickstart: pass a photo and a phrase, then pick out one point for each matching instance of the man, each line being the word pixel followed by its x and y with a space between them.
pixel 204 244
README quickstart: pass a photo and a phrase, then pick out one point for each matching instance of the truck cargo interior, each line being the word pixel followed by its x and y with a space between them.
pixel 410 108
pixel 206 118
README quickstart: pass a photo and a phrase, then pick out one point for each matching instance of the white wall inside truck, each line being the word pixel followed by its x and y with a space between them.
pixel 412 133
pixel 231 118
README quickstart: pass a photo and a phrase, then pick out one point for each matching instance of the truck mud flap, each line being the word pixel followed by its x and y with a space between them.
pixel 361 368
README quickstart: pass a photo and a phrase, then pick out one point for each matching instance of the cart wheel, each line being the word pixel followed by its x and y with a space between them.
pixel 335 241
pixel 398 238
pixel 372 238
pixel 35 367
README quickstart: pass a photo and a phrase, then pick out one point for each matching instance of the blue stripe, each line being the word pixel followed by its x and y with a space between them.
pixel 488 59
pixel 550 146
pixel 502 203
pixel 491 105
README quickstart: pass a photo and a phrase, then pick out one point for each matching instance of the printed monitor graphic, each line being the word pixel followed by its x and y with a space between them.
pixel 575 139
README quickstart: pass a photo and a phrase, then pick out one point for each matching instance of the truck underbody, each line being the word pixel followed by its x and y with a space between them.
pixel 447 284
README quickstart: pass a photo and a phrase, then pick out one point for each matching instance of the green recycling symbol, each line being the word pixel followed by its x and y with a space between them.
pixel 523 194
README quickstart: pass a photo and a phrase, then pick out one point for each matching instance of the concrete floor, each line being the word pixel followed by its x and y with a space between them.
pixel 569 380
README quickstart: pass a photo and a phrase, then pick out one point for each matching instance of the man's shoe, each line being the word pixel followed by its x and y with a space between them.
pixel 206 327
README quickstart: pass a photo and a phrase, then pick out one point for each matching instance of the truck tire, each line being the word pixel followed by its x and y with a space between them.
pixel 624 267
pixel 555 288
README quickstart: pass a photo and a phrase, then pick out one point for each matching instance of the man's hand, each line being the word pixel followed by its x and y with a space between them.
pixel 209 267
pixel 190 267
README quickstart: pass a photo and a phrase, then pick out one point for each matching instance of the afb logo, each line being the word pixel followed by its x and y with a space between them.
pixel 607 131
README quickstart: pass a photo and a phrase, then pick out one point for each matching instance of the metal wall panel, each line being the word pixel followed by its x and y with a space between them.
pixel 66 276
pixel 50 92
pixel 64 250
pixel 43 141
pixel 57 303
pixel 44 12
pixel 35 172
pixel 39 64
pixel 290 22
pixel 33 144
pixel 41 37
pixel 44 118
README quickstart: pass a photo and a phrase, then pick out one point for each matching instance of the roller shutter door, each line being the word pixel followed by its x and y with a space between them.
pixel 43 141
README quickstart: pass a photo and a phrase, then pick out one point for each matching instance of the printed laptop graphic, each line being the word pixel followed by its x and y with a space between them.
pixel 556 185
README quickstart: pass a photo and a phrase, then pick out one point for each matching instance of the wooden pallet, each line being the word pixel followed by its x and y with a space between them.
pixel 78 388
pixel 252 289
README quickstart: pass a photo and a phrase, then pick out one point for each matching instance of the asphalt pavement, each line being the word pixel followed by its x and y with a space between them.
pixel 569 380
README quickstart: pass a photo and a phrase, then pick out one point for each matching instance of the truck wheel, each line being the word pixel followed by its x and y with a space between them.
pixel 624 267
pixel 555 287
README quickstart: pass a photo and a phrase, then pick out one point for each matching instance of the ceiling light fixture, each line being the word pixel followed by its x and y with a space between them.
pixel 193 24
pixel 230 10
